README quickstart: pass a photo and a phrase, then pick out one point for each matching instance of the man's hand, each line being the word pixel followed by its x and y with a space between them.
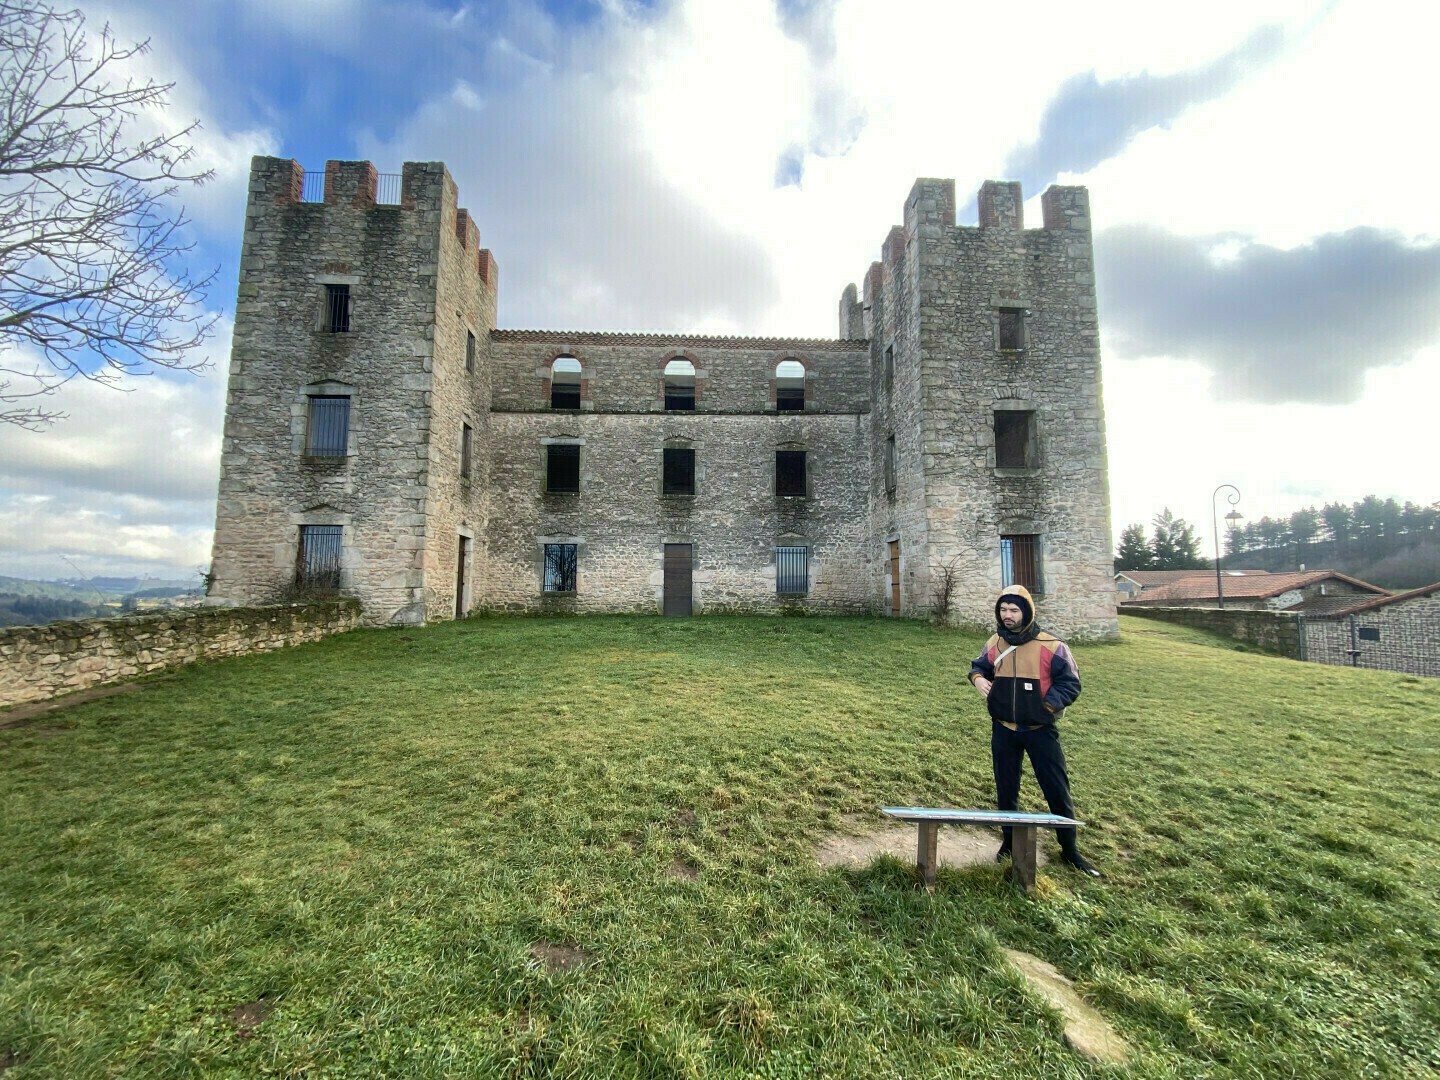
pixel 982 684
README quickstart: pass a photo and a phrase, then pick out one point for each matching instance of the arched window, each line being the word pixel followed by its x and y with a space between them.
pixel 565 383
pixel 680 385
pixel 790 386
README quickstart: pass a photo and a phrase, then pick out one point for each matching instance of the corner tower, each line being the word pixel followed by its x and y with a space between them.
pixel 356 418
pixel 989 434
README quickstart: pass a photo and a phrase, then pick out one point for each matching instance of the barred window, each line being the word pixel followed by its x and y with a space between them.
pixel 1020 561
pixel 560 565
pixel 679 471
pixel 317 559
pixel 337 309
pixel 789 472
pixel 562 468
pixel 792 571
pixel 327 428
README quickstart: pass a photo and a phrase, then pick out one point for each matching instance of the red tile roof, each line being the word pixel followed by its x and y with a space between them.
pixel 1382 601
pixel 1146 578
pixel 1249 587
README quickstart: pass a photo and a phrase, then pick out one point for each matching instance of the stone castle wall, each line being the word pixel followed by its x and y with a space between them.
pixel 39 662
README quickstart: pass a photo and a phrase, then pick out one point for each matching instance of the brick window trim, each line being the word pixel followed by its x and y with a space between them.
pixel 546 382
pixel 772 401
pixel 700 376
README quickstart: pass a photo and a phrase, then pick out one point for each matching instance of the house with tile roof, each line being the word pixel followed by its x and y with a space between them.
pixel 1319 591
pixel 1391 633
pixel 1130 584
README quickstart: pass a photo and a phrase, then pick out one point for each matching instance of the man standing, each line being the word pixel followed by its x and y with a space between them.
pixel 1027 678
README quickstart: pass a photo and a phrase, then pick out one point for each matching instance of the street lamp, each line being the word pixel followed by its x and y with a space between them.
pixel 1230 520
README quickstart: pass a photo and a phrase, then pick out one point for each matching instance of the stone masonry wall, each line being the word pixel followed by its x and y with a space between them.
pixel 39 662
pixel 1273 631
pixel 966 276
pixel 269 487
pixel 1409 638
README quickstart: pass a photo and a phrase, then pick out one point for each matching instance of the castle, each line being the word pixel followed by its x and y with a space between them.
pixel 384 438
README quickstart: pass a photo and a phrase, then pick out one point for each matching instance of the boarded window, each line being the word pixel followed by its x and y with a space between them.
pixel 560 565
pixel 789 472
pixel 792 571
pixel 562 468
pixel 565 383
pixel 337 309
pixel 680 385
pixel 1014 439
pixel 465 438
pixel 469 351
pixel 1012 329
pixel 317 560
pixel 890 464
pixel 679 471
pixel 790 386
pixel 1020 561
pixel 327 428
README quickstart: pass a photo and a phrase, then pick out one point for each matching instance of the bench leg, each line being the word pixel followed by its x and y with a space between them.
pixel 925 852
pixel 1022 856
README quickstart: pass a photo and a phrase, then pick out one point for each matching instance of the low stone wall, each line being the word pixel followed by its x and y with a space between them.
pixel 38 662
pixel 1271 631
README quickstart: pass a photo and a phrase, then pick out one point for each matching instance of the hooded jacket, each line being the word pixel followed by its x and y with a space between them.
pixel 1032 673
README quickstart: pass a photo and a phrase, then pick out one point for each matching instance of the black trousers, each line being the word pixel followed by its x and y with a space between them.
pixel 1007 754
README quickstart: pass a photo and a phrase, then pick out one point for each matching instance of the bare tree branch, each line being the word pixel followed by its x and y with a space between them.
pixel 93 277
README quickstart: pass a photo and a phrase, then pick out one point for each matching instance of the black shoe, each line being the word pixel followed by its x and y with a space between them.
pixel 1079 862
pixel 1003 853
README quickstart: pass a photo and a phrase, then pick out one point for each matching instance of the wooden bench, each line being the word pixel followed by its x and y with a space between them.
pixel 1022 825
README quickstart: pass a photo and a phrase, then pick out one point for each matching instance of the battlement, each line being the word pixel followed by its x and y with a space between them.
pixel 424 186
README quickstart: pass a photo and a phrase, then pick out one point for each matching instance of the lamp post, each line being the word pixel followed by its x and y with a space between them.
pixel 1230 520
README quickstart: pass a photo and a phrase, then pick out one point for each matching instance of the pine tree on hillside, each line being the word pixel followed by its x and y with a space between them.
pixel 1175 546
pixel 1134 552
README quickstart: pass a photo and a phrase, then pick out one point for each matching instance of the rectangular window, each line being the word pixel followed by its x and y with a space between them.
pixel 564 395
pixel 560 564
pixel 1012 329
pixel 469 351
pixel 562 468
pixel 890 465
pixel 317 560
pixel 679 398
pixel 337 309
pixel 1020 561
pixel 679 472
pixel 1369 633
pixel 792 571
pixel 327 428
pixel 1014 439
pixel 465 437
pixel 789 472
pixel 889 367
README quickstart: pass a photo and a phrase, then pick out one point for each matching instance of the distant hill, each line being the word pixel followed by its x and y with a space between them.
pixel 1397 566
pixel 53 590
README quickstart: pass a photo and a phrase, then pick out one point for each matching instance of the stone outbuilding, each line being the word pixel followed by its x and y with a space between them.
pixel 386 439
pixel 1301 591
pixel 1392 633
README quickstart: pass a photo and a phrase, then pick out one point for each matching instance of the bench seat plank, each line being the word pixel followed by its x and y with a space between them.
pixel 1023 825
pixel 977 817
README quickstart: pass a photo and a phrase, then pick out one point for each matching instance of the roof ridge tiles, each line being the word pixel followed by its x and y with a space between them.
pixel 648 337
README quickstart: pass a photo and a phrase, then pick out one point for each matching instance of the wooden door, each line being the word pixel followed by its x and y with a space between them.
pixel 894 577
pixel 677 579
pixel 462 561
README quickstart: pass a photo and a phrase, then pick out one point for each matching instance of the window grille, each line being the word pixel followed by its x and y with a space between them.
pixel 388 189
pixel 337 309
pixel 328 427
pixel 317 561
pixel 562 468
pixel 1014 439
pixel 1020 561
pixel 789 472
pixel 678 472
pixel 561 561
pixel 312 189
pixel 1012 329
pixel 792 571
pixel 465 438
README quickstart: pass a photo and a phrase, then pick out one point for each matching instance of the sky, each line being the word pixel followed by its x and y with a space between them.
pixel 1261 178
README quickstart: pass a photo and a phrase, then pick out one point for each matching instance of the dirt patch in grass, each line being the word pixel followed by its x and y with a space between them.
pixel 8 1059
pixel 21 714
pixel 249 1016
pixel 685 871
pixel 967 846
pixel 559 957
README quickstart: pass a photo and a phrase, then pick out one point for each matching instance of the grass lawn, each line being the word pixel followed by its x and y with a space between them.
pixel 583 847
